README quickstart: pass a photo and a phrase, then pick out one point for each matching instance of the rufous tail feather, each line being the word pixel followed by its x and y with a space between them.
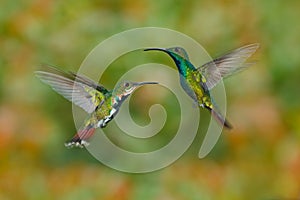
pixel 81 137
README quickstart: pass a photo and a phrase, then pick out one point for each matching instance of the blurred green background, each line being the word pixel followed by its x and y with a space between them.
pixel 259 159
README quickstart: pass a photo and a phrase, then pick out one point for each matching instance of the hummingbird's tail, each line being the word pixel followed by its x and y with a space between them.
pixel 219 117
pixel 81 137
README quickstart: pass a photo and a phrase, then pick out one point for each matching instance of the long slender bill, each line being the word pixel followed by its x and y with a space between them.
pixel 145 83
pixel 155 49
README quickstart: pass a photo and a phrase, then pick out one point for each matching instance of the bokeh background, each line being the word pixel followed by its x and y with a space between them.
pixel 259 159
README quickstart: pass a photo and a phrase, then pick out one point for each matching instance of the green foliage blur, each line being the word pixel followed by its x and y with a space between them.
pixel 259 159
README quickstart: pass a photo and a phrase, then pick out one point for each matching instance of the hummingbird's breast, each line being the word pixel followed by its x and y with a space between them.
pixel 103 111
pixel 196 82
pixel 104 114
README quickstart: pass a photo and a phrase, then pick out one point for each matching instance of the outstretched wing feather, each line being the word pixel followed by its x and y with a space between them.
pixel 227 65
pixel 80 90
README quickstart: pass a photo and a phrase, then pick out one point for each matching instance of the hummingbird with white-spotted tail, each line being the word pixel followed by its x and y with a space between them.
pixel 101 104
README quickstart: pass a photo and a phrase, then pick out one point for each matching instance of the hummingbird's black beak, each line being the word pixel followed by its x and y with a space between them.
pixel 145 83
pixel 155 49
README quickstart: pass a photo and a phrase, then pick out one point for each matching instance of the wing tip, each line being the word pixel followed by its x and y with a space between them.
pixel 251 47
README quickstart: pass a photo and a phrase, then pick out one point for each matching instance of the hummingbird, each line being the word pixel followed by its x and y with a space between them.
pixel 197 82
pixel 101 104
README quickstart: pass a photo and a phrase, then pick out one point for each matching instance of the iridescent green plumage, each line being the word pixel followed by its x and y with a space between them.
pixel 197 82
pixel 100 103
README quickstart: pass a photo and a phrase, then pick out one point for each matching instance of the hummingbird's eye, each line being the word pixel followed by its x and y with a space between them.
pixel 126 84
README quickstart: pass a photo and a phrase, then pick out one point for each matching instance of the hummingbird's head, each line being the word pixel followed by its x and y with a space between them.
pixel 175 52
pixel 125 88
pixel 179 56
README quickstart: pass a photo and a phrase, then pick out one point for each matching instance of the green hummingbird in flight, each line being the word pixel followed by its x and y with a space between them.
pixel 197 82
pixel 101 104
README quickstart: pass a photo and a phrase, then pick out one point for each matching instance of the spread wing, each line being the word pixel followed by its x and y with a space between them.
pixel 78 89
pixel 227 65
